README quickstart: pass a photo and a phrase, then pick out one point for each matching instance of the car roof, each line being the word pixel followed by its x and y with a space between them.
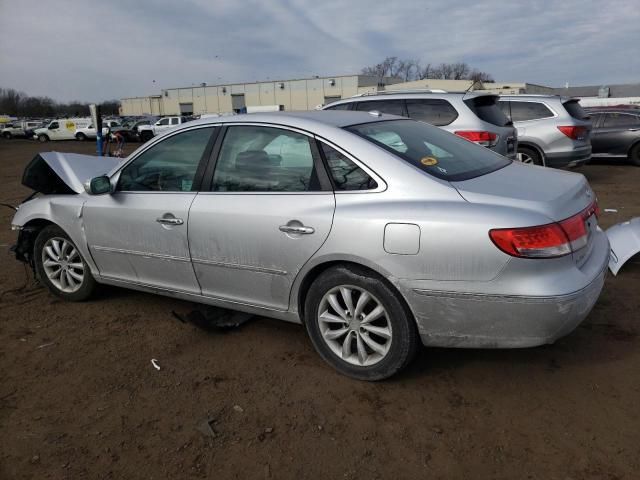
pixel 402 94
pixel 304 119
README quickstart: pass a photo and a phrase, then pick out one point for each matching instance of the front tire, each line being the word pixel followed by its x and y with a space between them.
pixel 60 265
pixel 42 138
pixel 81 137
pixel 634 155
pixel 529 155
pixel 359 324
pixel 146 136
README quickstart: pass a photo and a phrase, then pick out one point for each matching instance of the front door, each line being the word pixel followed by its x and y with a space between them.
pixel 269 209
pixel 139 233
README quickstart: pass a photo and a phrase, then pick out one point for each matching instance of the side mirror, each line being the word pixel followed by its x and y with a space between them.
pixel 99 185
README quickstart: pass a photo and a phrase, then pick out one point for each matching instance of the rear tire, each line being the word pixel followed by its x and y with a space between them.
pixel 529 155
pixel 60 266
pixel 7 135
pixel 42 138
pixel 634 155
pixel 359 324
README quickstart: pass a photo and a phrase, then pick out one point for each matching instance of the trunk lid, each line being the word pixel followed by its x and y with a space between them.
pixel 64 173
pixel 554 193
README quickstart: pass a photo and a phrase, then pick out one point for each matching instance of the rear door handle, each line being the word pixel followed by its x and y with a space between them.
pixel 170 220
pixel 300 230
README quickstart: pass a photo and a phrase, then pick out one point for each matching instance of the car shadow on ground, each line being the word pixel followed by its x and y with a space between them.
pixel 606 335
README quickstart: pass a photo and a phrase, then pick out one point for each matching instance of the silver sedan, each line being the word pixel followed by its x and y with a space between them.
pixel 376 232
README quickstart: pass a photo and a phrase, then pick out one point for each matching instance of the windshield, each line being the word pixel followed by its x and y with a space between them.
pixel 432 150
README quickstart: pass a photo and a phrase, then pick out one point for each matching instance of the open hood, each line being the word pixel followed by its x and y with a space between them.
pixel 65 173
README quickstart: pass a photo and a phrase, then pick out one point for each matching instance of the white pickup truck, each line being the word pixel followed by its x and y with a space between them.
pixel 147 132
pixel 20 129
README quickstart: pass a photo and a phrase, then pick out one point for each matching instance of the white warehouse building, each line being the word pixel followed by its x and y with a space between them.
pixel 301 94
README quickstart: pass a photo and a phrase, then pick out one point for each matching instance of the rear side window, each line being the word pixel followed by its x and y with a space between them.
pixel 430 149
pixel 434 111
pixel 265 159
pixel 342 106
pixel 522 111
pixel 393 107
pixel 621 120
pixel 575 110
pixel 346 175
pixel 486 108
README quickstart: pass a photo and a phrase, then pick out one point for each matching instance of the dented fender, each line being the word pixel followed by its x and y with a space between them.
pixel 65 211
pixel 624 239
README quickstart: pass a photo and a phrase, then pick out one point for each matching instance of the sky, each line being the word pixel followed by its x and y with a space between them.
pixel 94 50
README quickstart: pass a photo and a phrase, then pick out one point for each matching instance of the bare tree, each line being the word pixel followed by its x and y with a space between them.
pixel 408 69
pixel 20 104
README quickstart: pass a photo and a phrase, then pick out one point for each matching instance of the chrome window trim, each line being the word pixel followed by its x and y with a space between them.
pixel 382 185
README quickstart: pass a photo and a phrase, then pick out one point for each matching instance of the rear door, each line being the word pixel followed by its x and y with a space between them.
pixel 269 208
pixel 616 133
pixel 138 234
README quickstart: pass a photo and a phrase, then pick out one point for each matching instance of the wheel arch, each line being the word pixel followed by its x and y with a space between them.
pixel 535 147
pixel 314 272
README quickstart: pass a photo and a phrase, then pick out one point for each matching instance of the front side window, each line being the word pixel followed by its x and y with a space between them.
pixel 521 111
pixel 434 111
pixel 612 120
pixel 431 149
pixel 164 121
pixel 265 159
pixel 168 166
pixel 393 107
pixel 54 125
pixel 346 175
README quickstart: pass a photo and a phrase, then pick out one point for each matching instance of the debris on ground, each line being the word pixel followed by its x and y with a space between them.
pixel 611 210
pixel 212 319
pixel 238 408
pixel 154 362
pixel 206 427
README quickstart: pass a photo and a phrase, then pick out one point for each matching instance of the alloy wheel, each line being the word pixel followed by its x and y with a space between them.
pixel 63 265
pixel 524 158
pixel 355 325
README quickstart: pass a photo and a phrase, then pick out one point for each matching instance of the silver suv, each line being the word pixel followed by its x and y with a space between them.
pixel 473 116
pixel 553 131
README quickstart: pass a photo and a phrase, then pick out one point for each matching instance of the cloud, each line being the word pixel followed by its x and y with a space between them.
pixel 95 50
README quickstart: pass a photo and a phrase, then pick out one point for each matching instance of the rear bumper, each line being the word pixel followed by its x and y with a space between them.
pixel 568 159
pixel 477 320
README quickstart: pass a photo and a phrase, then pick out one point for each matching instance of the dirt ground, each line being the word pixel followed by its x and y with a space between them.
pixel 79 397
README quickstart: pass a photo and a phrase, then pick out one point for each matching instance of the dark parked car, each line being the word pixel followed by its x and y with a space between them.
pixel 130 128
pixel 616 133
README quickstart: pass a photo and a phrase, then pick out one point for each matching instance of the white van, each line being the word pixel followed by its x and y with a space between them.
pixel 61 129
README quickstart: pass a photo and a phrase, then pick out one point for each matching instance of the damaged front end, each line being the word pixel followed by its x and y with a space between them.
pixel 57 180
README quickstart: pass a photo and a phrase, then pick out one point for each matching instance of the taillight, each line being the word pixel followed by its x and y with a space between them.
pixel 486 139
pixel 574 132
pixel 546 241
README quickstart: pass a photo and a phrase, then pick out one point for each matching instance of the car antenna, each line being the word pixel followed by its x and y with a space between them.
pixel 473 84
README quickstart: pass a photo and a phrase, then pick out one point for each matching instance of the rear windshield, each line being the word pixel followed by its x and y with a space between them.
pixel 486 108
pixel 432 150
pixel 576 110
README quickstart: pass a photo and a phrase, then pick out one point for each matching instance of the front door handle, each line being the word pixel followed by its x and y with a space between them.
pixel 300 230
pixel 170 220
